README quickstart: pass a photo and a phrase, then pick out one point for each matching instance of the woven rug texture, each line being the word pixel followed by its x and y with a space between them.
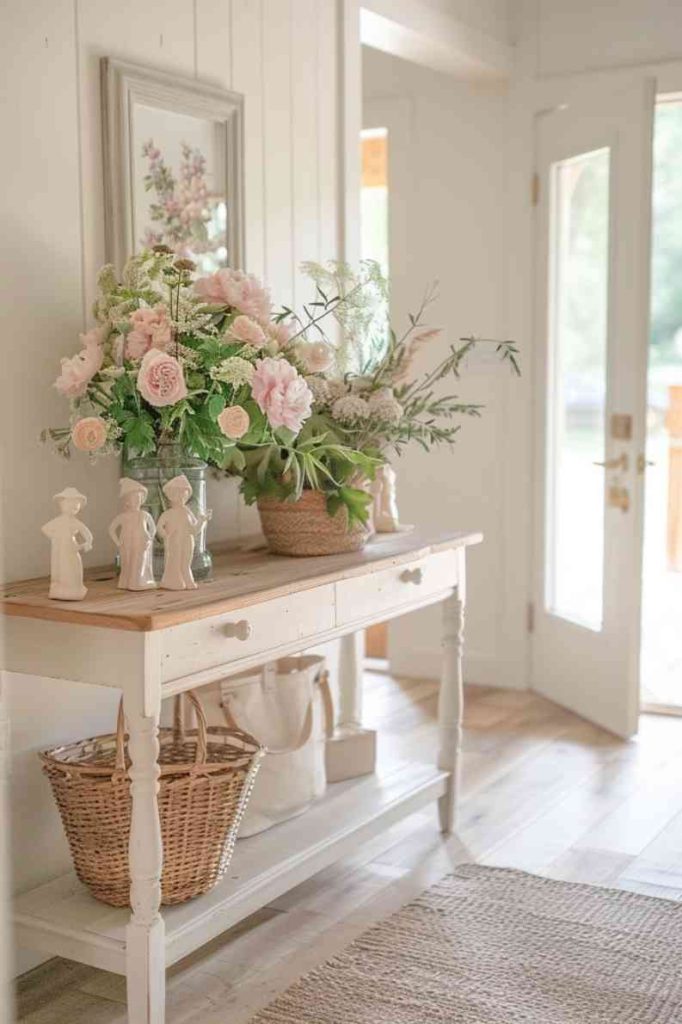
pixel 495 946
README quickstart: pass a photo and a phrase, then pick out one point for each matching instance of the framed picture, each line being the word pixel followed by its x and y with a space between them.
pixel 173 166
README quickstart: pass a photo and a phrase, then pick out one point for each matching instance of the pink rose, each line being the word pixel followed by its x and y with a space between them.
pixel 234 421
pixel 150 329
pixel 160 380
pixel 78 371
pixel 89 434
pixel 315 356
pixel 238 290
pixel 281 393
pixel 247 330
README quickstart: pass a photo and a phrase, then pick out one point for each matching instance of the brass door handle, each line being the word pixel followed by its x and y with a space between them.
pixel 621 462
pixel 643 462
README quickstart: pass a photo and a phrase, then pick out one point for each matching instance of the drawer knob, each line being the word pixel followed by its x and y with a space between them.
pixel 239 630
pixel 412 575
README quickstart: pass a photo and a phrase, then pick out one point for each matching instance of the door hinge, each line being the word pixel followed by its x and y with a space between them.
pixel 530 616
pixel 535 189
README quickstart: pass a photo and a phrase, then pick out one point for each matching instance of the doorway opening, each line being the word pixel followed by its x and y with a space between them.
pixel 661 648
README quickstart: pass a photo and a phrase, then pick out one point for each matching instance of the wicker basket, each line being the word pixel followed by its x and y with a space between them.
pixel 304 527
pixel 206 778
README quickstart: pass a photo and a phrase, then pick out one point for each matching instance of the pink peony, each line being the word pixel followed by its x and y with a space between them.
pixel 281 393
pixel 234 421
pixel 150 329
pixel 160 380
pixel 315 356
pixel 89 434
pixel 238 290
pixel 280 333
pixel 78 371
pixel 247 330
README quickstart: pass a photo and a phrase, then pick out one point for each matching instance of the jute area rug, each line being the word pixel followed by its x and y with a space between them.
pixel 492 946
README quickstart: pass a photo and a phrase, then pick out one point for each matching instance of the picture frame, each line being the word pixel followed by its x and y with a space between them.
pixel 173 166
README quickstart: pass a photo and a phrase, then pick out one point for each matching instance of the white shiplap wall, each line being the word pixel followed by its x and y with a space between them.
pixel 283 56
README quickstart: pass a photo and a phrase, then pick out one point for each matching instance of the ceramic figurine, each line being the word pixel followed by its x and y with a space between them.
pixel 133 531
pixel 68 537
pixel 385 508
pixel 177 527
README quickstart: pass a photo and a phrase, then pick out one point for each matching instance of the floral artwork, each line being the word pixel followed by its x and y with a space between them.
pixel 186 216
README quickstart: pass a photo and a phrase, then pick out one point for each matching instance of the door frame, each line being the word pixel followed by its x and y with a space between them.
pixel 534 100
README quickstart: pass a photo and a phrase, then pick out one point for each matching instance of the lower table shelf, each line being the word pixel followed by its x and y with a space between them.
pixel 61 918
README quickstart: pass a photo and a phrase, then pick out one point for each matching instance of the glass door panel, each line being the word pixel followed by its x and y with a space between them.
pixel 578 332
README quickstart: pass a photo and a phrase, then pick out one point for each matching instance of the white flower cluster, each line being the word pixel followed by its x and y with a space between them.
pixel 385 406
pixel 235 371
pixel 350 409
pixel 319 388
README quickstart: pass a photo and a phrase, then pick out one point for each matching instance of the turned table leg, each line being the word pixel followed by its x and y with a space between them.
pixel 450 701
pixel 5 953
pixel 351 663
pixel 145 946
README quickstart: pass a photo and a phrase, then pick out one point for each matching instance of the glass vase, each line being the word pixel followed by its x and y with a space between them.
pixel 153 471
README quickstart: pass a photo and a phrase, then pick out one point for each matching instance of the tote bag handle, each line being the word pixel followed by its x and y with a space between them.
pixel 321 680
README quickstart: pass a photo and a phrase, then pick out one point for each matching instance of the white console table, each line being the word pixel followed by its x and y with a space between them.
pixel 256 608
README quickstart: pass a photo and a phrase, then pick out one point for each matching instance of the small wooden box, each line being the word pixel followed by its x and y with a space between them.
pixel 351 752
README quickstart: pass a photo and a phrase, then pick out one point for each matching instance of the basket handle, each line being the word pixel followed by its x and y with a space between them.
pixel 178 730
pixel 202 725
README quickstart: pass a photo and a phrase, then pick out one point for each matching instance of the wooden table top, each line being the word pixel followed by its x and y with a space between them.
pixel 243 575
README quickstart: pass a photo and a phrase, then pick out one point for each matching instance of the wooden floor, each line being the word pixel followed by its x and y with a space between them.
pixel 543 791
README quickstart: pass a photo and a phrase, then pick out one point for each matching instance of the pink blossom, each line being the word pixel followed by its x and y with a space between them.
pixel 280 333
pixel 238 290
pixel 150 329
pixel 78 371
pixel 243 328
pixel 160 380
pixel 315 356
pixel 89 434
pixel 234 421
pixel 281 393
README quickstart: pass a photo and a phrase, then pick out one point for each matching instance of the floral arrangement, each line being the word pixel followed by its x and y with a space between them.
pixel 264 395
pixel 366 399
pixel 202 363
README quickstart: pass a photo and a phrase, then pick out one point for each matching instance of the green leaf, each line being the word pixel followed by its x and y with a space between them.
pixel 215 404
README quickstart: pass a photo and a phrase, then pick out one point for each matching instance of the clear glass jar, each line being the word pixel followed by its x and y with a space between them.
pixel 153 471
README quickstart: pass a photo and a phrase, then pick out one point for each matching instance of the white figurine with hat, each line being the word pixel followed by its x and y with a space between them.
pixel 177 527
pixel 68 537
pixel 133 531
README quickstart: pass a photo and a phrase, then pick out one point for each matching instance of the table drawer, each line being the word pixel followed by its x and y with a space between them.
pixel 389 590
pixel 222 639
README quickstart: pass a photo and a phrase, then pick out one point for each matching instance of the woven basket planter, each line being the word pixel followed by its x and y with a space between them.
pixel 304 527
pixel 206 778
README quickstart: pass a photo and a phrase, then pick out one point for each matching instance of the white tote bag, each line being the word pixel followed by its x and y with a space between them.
pixel 286 705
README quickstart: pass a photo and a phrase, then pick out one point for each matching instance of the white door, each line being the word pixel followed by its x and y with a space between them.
pixel 592 319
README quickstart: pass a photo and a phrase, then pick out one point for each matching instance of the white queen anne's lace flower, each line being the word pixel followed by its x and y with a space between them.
pixel 235 371
pixel 350 408
pixel 385 406
pixel 337 388
pixel 319 388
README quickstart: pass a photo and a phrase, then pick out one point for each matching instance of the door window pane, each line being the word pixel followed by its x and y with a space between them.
pixel 374 197
pixel 578 314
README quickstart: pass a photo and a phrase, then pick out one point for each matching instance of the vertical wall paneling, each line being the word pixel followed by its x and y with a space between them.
pixel 277 125
pixel 350 120
pixel 213 41
pixel 304 132
pixel 247 78
pixel 328 151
